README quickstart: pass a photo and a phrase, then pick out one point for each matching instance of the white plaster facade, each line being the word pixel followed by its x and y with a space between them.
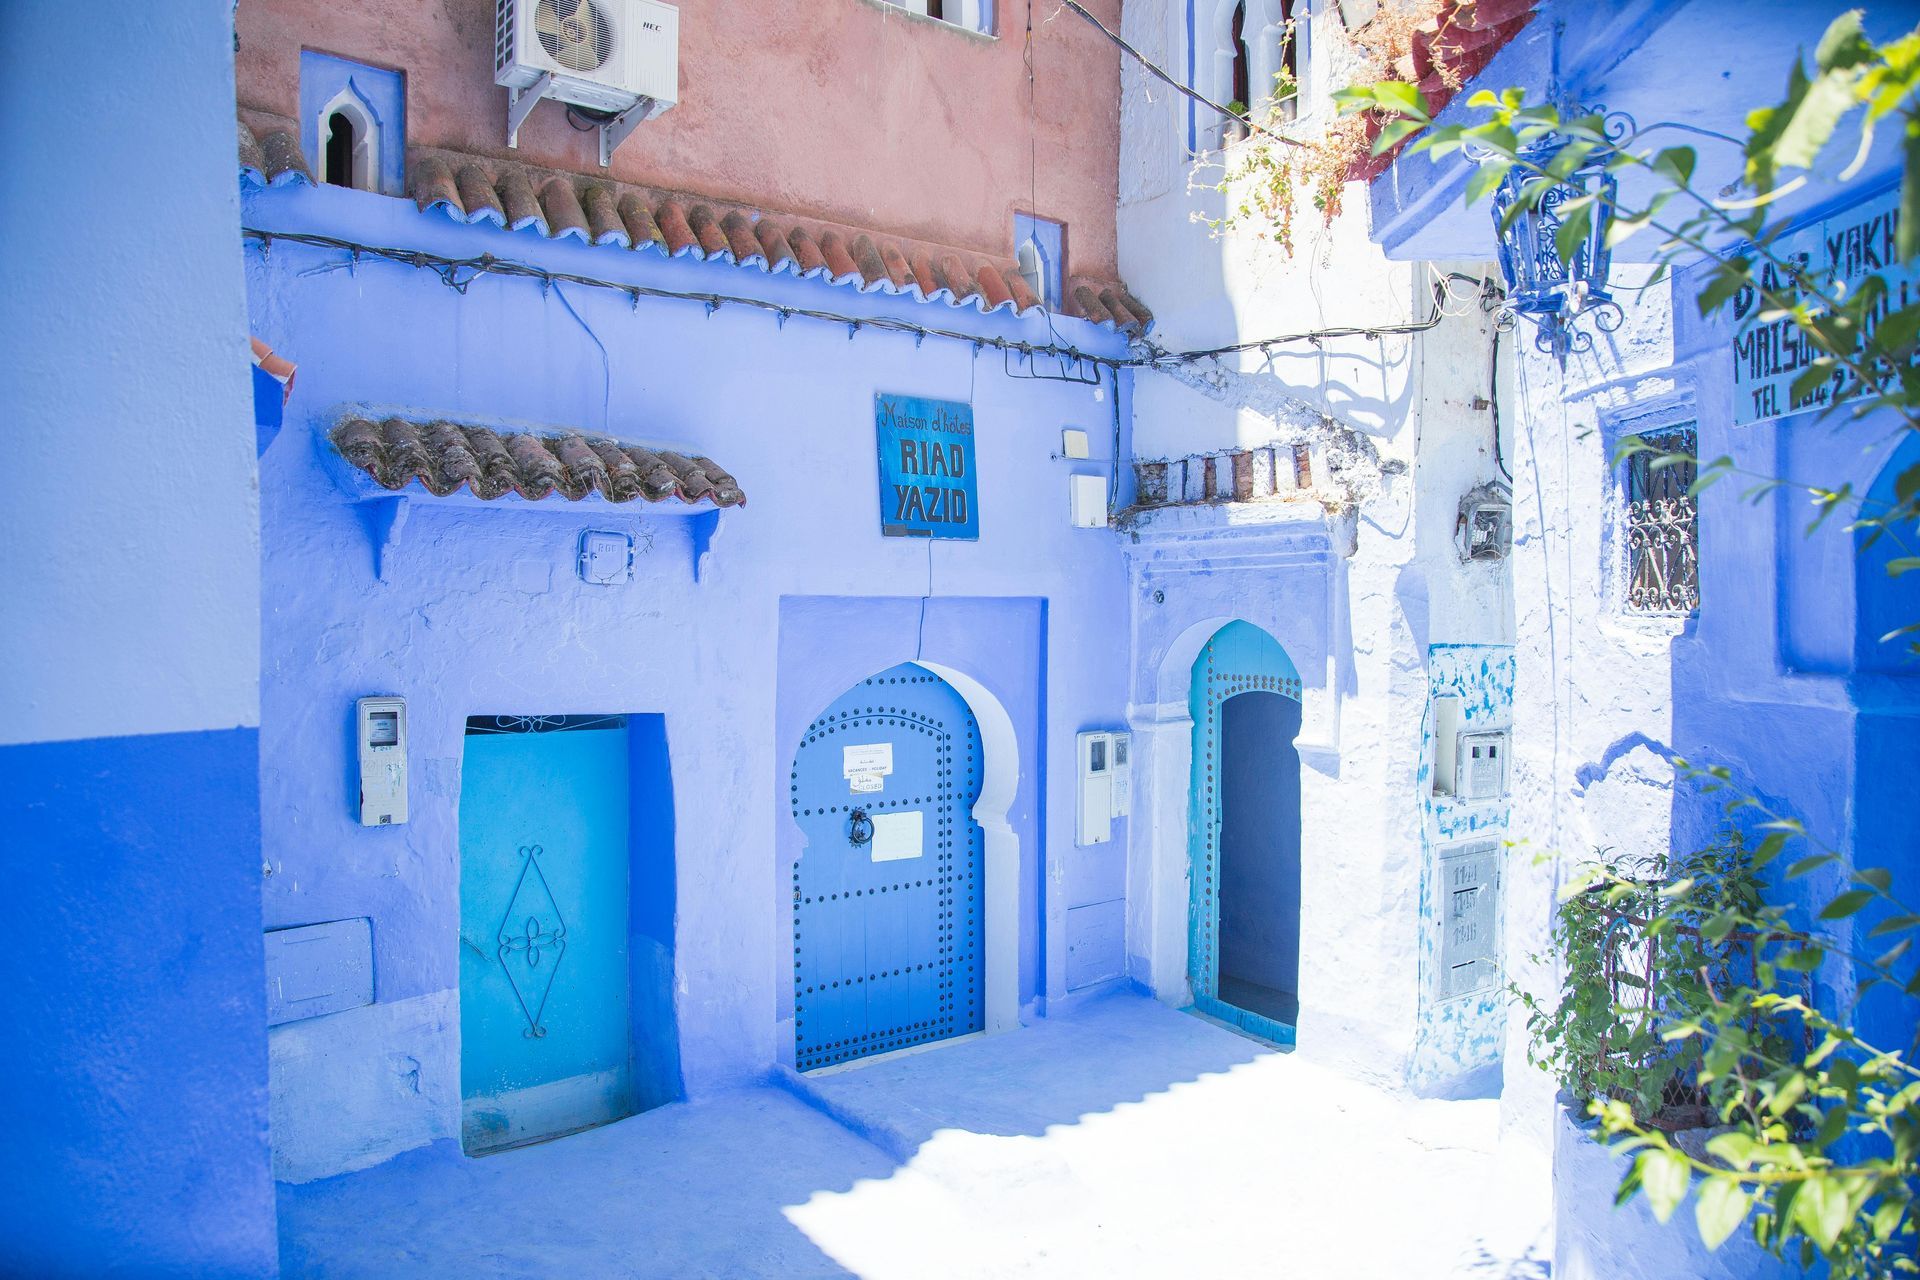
pixel 1357 578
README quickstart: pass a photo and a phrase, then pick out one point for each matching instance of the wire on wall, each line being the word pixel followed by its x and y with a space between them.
pixel 459 274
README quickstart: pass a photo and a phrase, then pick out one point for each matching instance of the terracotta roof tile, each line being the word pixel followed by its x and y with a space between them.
pixel 740 239
pixel 522 209
pixel 565 217
pixel 272 158
pixel 706 230
pixel 1449 49
pixel 444 457
pixel 992 286
pixel 675 233
pixel 806 252
pixel 603 219
pixel 471 189
pixel 478 198
pixel 640 225
pixel 775 249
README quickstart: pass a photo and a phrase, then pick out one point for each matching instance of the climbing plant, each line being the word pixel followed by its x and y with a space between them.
pixel 1277 166
pixel 1818 1148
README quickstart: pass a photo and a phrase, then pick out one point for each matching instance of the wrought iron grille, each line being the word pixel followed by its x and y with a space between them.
pixel 541 724
pixel 1663 529
pixel 1632 960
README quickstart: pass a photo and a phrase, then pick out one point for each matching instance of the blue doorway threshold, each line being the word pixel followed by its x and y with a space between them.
pixel 1260 1027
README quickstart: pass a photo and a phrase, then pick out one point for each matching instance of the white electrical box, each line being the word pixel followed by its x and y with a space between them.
pixel 606 557
pixel 1073 442
pixel 1088 496
pixel 381 731
pixel 1122 775
pixel 1480 764
pixel 1094 824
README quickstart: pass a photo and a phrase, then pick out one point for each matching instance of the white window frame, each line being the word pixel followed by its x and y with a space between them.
pixel 972 13
pixel 366 148
pixel 1214 56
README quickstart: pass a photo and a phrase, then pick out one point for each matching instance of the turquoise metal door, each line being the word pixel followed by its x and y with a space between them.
pixel 887 907
pixel 1244 915
pixel 545 1044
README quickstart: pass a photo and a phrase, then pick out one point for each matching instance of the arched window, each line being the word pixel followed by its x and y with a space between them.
pixel 353 123
pixel 1247 55
pixel 349 144
pixel 1242 62
pixel 1040 254
pixel 1033 269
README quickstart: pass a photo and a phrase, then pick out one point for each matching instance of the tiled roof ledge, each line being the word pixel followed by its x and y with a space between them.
pixel 598 211
pixel 383 463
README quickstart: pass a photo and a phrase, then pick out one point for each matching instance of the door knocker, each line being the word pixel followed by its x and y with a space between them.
pixel 859 828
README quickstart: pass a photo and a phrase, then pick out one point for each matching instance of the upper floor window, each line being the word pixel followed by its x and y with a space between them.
pixel 1246 55
pixel 974 15
pixel 1040 251
pixel 1663 526
pixel 353 123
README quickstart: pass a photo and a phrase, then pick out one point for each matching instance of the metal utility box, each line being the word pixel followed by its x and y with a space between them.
pixel 319 968
pixel 1468 959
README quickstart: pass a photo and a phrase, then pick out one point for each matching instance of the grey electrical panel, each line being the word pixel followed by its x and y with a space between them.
pixel 1469 958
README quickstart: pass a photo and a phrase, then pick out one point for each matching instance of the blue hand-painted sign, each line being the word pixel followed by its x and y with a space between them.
pixel 926 468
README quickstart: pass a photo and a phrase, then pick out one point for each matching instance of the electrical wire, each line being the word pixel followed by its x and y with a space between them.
pixel 459 274
pixel 1493 402
pixel 1316 336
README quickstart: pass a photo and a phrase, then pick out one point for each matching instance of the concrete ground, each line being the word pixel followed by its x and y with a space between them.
pixel 1122 1139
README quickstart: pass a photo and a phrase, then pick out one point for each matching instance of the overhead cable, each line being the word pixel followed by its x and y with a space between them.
pixel 459 274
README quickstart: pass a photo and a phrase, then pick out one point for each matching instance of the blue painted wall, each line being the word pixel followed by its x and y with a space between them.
pixel 135 1103
pixel 800 598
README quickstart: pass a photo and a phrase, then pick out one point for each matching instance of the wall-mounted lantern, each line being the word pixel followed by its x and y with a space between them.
pixel 1555 296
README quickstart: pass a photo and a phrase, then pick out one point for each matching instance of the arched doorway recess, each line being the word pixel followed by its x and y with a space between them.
pixel 889 909
pixel 1244 911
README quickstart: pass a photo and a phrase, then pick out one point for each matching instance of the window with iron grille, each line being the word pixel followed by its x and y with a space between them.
pixel 1662 517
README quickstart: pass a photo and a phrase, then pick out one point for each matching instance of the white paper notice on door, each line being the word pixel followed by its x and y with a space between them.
pixel 897 836
pixel 873 757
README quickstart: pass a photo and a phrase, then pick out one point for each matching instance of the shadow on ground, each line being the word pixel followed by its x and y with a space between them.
pixel 702 1188
pixel 1119 1139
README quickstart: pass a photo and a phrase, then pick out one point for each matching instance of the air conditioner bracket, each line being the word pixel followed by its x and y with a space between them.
pixel 621 127
pixel 520 105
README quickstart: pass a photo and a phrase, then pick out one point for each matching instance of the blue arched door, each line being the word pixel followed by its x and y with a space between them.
pixel 887 893
pixel 1244 936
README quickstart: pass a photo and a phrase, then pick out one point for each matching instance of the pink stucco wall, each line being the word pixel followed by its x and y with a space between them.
pixel 845 110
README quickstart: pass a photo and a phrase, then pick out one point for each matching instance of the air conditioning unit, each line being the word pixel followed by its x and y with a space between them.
pixel 620 58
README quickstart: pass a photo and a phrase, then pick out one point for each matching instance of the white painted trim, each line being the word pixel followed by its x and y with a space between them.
pixel 366 151
pixel 969 14
pixel 1000 782
pixel 1158 870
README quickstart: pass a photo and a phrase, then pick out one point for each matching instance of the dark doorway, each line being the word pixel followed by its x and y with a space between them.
pixel 1260 856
